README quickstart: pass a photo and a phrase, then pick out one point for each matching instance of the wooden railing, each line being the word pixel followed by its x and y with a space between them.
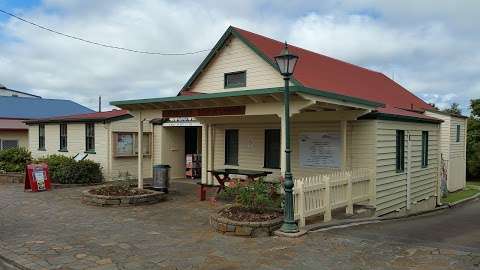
pixel 320 194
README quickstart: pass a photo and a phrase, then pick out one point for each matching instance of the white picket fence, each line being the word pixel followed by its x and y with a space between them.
pixel 320 194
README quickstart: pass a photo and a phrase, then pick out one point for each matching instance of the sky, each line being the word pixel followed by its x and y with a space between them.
pixel 429 48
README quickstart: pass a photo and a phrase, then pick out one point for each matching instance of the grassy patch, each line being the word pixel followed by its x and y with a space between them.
pixel 475 182
pixel 461 194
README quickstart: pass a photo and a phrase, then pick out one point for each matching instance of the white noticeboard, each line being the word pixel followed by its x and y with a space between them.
pixel 320 149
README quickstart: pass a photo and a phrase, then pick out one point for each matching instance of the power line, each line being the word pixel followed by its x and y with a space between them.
pixel 98 43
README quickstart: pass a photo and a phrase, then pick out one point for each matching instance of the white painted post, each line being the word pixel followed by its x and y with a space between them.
pixel 299 186
pixel 327 216
pixel 349 209
pixel 139 151
pixel 211 144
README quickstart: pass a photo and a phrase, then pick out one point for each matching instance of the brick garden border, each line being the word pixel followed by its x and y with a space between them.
pixel 58 185
pixel 12 177
pixel 101 200
pixel 244 228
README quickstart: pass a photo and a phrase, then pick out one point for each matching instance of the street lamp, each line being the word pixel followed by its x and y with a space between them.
pixel 286 64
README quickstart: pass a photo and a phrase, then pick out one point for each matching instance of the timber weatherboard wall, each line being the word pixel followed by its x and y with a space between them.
pixel 391 186
pixel 360 145
pixel 111 166
pixel 16 135
pixel 236 56
pixel 453 152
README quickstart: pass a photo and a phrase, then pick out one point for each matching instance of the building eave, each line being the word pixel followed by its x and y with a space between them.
pixel 401 118
pixel 136 104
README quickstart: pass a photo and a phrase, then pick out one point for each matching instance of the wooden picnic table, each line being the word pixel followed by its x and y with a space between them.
pixel 223 175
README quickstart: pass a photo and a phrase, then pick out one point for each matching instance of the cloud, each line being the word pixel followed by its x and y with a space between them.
pixel 430 49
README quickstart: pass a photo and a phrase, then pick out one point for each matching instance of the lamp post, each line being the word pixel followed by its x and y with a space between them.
pixel 286 64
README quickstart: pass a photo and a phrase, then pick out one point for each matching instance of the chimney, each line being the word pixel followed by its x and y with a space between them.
pixel 99 103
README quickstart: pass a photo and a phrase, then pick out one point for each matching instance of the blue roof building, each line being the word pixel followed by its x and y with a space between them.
pixel 15 109
pixel 34 108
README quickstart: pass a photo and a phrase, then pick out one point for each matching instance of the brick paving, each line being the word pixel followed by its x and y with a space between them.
pixel 53 230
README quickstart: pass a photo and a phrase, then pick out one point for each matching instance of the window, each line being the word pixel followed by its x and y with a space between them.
pixel 126 144
pixel 400 151
pixel 41 137
pixel 424 149
pixel 7 144
pixel 235 79
pixel 90 137
pixel 63 137
pixel 272 149
pixel 231 147
pixel 458 134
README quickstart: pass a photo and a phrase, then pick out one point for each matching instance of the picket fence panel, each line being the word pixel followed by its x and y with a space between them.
pixel 320 194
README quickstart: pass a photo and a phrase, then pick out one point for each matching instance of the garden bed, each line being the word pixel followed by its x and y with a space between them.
pixel 237 221
pixel 121 196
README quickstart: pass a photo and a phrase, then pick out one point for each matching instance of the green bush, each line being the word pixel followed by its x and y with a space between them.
pixel 65 170
pixel 14 159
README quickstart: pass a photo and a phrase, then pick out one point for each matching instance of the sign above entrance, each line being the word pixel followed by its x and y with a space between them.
pixel 216 111
pixel 181 122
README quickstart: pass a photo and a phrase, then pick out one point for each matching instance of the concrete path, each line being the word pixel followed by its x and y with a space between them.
pixel 457 228
pixel 53 230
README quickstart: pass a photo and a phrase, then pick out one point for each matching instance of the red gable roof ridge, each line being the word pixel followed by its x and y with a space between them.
pixel 362 82
pixel 307 50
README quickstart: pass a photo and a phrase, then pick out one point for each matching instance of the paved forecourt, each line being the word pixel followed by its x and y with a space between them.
pixel 53 230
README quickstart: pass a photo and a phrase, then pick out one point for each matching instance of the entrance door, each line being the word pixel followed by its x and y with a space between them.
pixel 191 141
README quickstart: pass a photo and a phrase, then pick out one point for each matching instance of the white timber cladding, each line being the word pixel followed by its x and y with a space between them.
pixel 20 136
pixel 391 186
pixel 236 56
pixel 453 152
pixel 360 145
pixel 112 167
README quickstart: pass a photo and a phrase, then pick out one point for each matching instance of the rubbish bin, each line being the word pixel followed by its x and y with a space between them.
pixel 161 177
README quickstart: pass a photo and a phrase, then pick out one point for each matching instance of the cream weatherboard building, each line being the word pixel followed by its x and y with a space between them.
pixel 108 138
pixel 344 118
pixel 453 139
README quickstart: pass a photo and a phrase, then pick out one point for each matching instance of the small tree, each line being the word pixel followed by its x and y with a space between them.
pixel 473 140
pixel 454 109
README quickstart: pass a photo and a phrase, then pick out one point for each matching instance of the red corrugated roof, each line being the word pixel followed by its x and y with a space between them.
pixel 97 116
pixel 328 74
pixel 12 124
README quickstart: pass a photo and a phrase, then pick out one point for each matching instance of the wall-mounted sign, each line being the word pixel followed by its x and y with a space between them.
pixel 320 149
pixel 216 111
pixel 125 144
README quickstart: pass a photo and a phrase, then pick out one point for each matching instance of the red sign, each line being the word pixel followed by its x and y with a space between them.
pixel 36 178
pixel 216 111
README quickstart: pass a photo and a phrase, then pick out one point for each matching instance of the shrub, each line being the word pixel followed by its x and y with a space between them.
pixel 256 196
pixel 230 194
pixel 65 170
pixel 55 164
pixel 14 159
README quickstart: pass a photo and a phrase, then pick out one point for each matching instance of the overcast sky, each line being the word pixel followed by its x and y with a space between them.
pixel 429 46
